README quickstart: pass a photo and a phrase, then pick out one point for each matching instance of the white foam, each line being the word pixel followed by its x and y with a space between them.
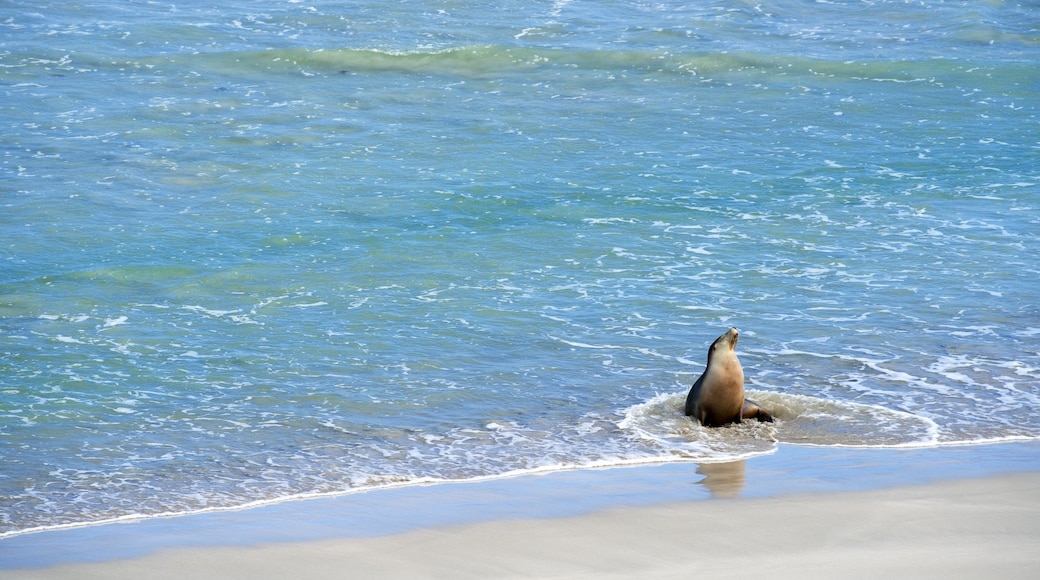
pixel 801 420
pixel 209 311
pixel 660 422
pixel 110 322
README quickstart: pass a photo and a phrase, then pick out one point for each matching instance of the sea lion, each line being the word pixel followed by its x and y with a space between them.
pixel 717 398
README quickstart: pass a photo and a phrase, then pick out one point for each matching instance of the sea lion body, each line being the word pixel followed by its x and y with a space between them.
pixel 717 398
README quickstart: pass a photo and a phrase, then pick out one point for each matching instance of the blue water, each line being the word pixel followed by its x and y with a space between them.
pixel 256 250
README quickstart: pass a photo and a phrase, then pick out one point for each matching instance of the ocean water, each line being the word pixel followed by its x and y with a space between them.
pixel 252 251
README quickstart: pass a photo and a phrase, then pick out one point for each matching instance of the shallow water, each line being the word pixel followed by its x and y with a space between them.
pixel 249 252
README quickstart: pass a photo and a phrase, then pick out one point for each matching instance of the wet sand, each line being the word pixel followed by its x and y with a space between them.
pixel 967 513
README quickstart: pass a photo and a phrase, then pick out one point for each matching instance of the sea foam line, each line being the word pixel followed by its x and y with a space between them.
pixel 600 464
pixel 420 481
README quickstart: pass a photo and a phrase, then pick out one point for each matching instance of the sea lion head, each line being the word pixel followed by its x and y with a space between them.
pixel 727 341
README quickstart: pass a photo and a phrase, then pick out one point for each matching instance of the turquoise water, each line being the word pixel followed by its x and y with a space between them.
pixel 262 250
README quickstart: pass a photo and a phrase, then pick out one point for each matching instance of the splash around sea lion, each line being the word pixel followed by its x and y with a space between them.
pixel 717 398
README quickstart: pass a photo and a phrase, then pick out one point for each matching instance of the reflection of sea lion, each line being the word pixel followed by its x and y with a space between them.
pixel 717 398
pixel 723 479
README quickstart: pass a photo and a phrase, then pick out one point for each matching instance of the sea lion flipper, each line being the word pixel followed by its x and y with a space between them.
pixel 753 410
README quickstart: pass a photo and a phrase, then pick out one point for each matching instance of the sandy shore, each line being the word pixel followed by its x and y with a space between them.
pixel 967 528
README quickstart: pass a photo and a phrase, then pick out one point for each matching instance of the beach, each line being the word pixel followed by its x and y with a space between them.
pixel 967 512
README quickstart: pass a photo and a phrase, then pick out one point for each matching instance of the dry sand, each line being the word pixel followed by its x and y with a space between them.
pixel 969 528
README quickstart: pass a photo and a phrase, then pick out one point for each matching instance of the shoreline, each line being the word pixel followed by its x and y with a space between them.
pixel 965 528
pixel 811 477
